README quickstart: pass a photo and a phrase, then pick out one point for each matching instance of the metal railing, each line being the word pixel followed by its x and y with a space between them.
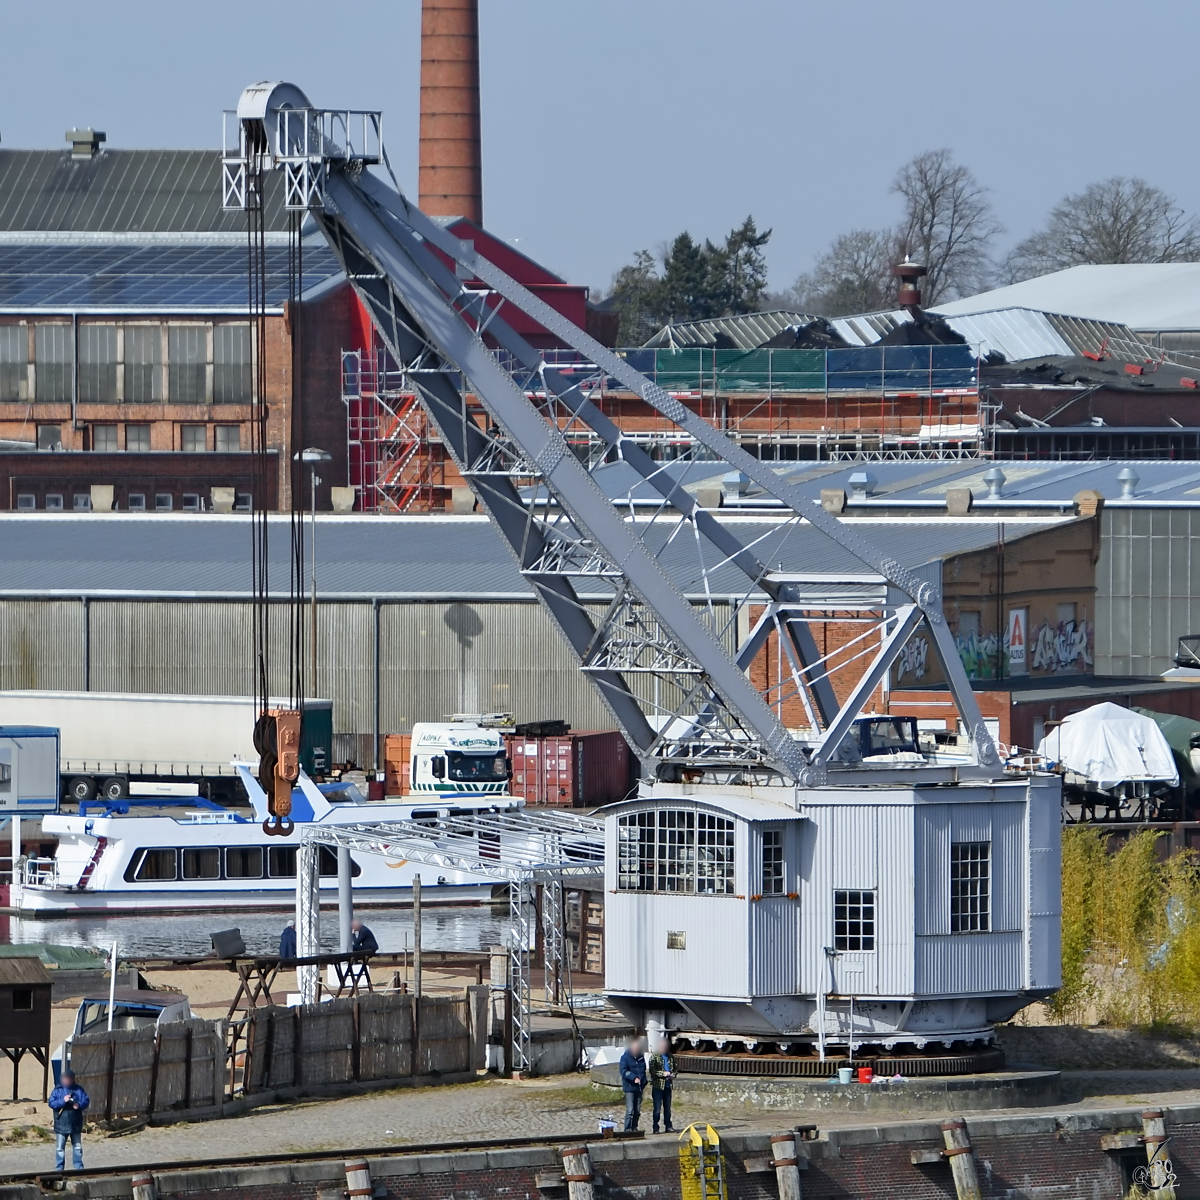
pixel 39 872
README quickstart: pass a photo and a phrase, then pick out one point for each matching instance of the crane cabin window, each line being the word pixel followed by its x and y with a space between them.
pixel 772 862
pixel 970 887
pixel 854 920
pixel 675 850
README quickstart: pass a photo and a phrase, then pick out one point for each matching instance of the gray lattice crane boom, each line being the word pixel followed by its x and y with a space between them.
pixel 666 660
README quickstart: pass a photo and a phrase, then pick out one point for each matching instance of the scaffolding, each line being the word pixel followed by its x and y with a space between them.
pixel 526 850
pixel 393 457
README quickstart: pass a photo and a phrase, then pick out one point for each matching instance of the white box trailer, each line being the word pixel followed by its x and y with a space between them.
pixel 114 744
pixel 28 770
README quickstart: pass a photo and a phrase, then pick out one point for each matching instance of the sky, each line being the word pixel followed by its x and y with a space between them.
pixel 611 125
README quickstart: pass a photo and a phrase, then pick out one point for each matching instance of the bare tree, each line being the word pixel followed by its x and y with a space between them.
pixel 852 276
pixel 948 225
pixel 1117 221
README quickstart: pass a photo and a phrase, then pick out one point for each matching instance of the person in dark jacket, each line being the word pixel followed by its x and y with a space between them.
pixel 287 941
pixel 662 1082
pixel 633 1080
pixel 69 1102
pixel 362 940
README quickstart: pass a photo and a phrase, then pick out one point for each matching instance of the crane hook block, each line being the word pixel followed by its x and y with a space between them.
pixel 277 739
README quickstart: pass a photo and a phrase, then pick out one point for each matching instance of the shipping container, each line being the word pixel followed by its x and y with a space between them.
pixel 396 748
pixel 581 770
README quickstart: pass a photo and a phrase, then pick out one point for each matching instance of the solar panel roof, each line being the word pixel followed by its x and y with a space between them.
pixel 124 274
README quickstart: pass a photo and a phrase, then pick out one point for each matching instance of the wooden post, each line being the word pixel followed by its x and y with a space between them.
pixel 108 1085
pixel 787 1168
pixel 962 1161
pixel 577 1171
pixel 358 1179
pixel 144 1187
pixel 416 934
pixel 1162 1175
pixel 297 1069
pixel 152 1095
pixel 187 1068
pixel 356 1053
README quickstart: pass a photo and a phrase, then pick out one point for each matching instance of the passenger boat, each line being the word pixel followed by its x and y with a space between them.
pixel 211 858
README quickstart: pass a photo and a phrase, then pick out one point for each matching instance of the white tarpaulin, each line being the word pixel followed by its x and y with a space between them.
pixel 1109 745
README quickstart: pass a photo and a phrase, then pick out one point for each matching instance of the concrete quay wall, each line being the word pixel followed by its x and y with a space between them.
pixel 1016 1156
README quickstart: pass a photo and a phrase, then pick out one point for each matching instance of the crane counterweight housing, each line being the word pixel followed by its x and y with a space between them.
pixel 666 608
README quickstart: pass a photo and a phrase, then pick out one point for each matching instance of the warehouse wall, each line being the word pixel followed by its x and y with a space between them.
pixel 1147 588
pixel 434 658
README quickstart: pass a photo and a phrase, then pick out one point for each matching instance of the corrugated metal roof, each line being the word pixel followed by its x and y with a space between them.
pixel 1145 296
pixel 117 273
pixel 1035 484
pixel 1016 333
pixel 405 558
pixel 747 332
pixel 132 191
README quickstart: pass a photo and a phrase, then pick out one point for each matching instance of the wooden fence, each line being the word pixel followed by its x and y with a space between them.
pixel 363 1038
pixel 134 1072
pixel 186 1066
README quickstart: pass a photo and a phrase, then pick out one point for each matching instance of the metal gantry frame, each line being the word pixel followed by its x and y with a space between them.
pixel 660 661
pixel 521 848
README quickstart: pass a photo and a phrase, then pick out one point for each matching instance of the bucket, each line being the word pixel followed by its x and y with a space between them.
pixel 845 1074
pixel 866 1075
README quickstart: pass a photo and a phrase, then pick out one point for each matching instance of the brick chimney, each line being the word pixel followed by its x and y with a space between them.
pixel 450 182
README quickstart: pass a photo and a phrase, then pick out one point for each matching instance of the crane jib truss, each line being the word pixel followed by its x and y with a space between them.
pixel 526 850
pixel 662 663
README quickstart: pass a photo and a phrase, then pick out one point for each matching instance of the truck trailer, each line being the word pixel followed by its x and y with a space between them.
pixel 116 745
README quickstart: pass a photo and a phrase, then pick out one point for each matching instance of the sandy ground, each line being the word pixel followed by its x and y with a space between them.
pixel 209 991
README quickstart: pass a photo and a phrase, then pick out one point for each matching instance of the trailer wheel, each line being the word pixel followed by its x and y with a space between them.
pixel 82 788
pixel 114 788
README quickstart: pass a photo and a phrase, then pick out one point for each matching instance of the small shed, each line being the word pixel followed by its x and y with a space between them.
pixel 25 987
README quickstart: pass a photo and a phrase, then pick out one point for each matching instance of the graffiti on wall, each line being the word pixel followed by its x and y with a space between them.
pixel 1066 646
pixel 913 658
pixel 980 653
pixel 1062 647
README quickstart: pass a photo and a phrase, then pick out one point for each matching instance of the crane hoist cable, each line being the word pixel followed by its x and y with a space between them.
pixel 276 730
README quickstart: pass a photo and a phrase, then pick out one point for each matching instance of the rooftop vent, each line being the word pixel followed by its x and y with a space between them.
pixel 1128 478
pixel 908 272
pixel 995 483
pixel 862 484
pixel 85 143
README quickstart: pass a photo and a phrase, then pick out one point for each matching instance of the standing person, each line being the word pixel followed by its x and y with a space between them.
pixel 287 941
pixel 662 1079
pixel 69 1101
pixel 362 940
pixel 633 1080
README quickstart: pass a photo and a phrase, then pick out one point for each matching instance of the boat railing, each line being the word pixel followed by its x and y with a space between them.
pixel 208 817
pixel 40 872
pixel 6 872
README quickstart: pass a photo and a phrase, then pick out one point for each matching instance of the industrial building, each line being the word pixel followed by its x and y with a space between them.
pixel 420 617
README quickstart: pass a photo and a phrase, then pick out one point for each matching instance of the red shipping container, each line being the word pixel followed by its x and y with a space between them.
pixel 582 770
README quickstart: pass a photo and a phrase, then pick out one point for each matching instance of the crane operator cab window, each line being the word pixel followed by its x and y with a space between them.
pixel 889 737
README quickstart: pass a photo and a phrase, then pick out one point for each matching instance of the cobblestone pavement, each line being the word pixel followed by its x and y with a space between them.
pixel 500 1108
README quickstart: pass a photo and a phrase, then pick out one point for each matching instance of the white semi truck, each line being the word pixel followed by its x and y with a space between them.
pixel 115 745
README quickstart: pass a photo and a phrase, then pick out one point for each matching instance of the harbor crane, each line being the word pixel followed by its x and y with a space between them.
pixel 905 899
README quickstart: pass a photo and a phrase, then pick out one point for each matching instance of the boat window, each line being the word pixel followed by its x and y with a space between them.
pixel 202 862
pixel 327 863
pixel 281 862
pixel 125 1016
pixel 477 768
pixel 151 865
pixel 243 862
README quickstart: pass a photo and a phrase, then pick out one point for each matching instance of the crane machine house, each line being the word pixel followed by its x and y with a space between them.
pixel 838 883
